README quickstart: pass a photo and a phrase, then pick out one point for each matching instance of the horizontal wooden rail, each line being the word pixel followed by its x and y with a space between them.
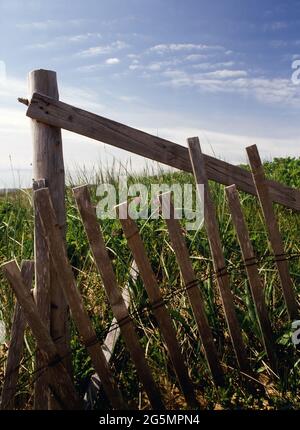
pixel 68 117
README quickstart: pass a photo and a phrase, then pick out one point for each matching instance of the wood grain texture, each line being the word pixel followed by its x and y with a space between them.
pixel 59 114
pixel 48 165
pixel 274 235
pixel 41 294
pixel 256 286
pixel 16 343
pixel 59 380
pixel 212 229
pixel 113 292
pixel 58 253
pixel 194 293
pixel 158 306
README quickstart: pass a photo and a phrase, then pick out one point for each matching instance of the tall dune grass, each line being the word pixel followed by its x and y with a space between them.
pixel 16 241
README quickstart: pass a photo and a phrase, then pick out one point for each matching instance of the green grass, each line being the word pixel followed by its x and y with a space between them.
pixel 16 241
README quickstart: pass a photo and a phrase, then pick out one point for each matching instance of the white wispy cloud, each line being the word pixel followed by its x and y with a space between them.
pixel 129 99
pixel 175 47
pixel 112 61
pixel 61 40
pixel 278 43
pixel 265 90
pixel 225 73
pixel 275 25
pixel 102 49
pixel 213 65
pixel 195 57
pixel 50 24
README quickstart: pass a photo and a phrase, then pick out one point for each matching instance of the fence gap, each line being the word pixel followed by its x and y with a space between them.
pixel 192 285
pixel 157 303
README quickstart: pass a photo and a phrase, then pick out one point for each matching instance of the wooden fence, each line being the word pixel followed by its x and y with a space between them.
pixel 46 310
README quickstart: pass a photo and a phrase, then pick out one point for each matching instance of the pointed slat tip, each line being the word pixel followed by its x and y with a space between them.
pixel 23 101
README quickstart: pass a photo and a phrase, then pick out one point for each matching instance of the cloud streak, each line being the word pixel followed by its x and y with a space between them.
pixel 61 40
pixel 94 51
pixel 177 47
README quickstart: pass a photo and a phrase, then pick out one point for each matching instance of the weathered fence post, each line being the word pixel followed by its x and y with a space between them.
pixel 48 164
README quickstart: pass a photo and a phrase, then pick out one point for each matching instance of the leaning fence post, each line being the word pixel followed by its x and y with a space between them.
pixel 48 164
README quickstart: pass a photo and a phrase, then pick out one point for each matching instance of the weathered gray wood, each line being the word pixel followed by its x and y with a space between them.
pixel 48 164
pixel 212 229
pixel 102 260
pixel 114 330
pixel 274 236
pixel 16 343
pixel 193 291
pixel 58 253
pixel 59 379
pixel 59 114
pixel 158 306
pixel 256 286
pixel 42 299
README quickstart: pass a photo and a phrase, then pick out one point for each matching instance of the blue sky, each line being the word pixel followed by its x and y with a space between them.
pixel 218 69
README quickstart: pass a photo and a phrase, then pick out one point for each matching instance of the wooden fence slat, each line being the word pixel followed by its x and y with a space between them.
pixel 212 229
pixel 109 344
pixel 156 300
pixel 102 260
pixel 255 282
pixel 59 380
pixel 59 114
pixel 41 294
pixel 67 282
pixel 192 285
pixel 273 231
pixel 16 343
